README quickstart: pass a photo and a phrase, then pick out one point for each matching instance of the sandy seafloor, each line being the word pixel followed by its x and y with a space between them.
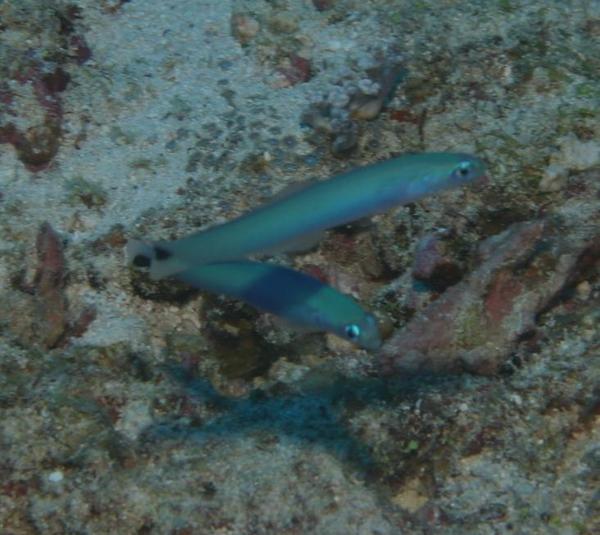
pixel 134 407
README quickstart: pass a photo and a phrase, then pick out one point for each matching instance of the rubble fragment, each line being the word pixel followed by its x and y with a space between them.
pixel 474 324
pixel 42 315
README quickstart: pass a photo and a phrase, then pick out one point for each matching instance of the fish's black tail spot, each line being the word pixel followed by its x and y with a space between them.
pixel 142 261
pixel 161 254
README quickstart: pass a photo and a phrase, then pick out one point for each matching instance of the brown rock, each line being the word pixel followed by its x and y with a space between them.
pixel 40 315
pixel 433 265
pixel 323 5
pixel 474 325
pixel 244 28
pixel 38 145
pixel 296 70
pixel 48 286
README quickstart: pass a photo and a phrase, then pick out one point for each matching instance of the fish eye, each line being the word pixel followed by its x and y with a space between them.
pixel 352 331
pixel 463 169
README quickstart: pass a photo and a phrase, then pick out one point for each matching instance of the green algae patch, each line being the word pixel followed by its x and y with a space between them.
pixel 472 328
pixel 80 190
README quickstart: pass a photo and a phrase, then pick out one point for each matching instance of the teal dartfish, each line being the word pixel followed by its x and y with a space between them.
pixel 300 299
pixel 320 206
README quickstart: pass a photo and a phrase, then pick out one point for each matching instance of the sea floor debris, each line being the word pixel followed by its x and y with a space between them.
pixel 523 273
pixel 177 413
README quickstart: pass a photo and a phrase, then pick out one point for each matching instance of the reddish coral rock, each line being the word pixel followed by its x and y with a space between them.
pixel 405 116
pixel 44 71
pixel 44 318
pixel 474 325
pixel 317 272
pixel 244 28
pixel 113 6
pixel 433 265
pixel 37 147
pixel 56 81
pixel 323 5
pixel 51 267
pixel 80 49
pixel 6 96
pixel 81 324
pixel 297 71
pixel 48 286
pixel 9 134
pixel 501 297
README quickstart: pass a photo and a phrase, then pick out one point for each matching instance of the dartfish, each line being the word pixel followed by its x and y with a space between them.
pixel 317 207
pixel 299 299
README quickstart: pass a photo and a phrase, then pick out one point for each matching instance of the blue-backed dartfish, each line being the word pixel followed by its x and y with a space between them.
pixel 300 299
pixel 319 206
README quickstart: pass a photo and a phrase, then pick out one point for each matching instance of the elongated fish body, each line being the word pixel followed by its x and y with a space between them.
pixel 294 296
pixel 322 205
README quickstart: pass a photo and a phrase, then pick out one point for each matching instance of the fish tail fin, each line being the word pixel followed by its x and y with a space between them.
pixel 166 267
pixel 139 254
pixel 159 262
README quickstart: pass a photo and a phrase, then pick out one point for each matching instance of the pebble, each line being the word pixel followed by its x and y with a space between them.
pixel 56 477
pixel 244 28
pixel 338 97
pixel 365 107
pixel 323 5
pixel 554 179
pixel 580 155
pixel 369 87
pixel 584 290
pixel 283 23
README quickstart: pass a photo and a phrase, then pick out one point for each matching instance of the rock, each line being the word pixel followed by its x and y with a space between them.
pixel 296 70
pixel 283 23
pixel 366 107
pixel 433 265
pixel 39 144
pixel 584 290
pixel 579 155
pixel 323 5
pixel 244 28
pixel 554 179
pixel 49 284
pixel 474 325
pixel 40 315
